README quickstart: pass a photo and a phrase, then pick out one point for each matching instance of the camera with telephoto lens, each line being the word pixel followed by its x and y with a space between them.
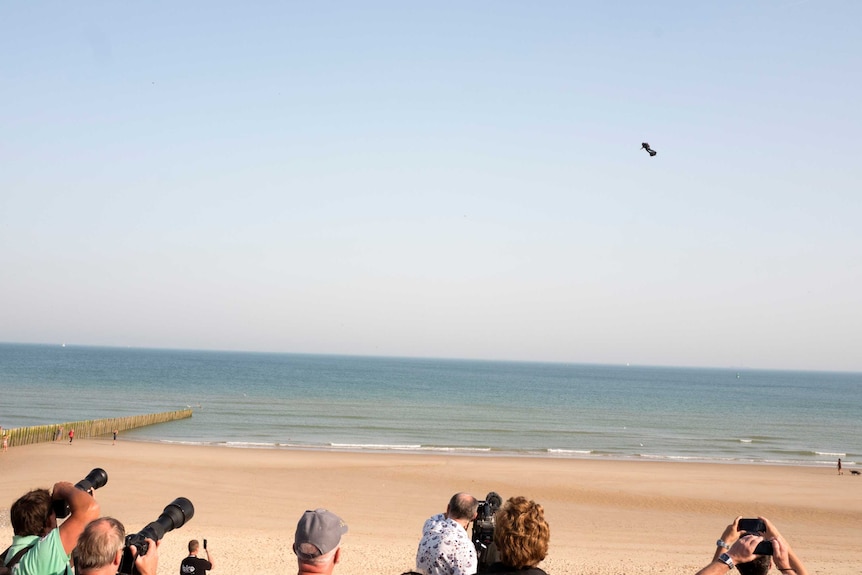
pixel 176 514
pixel 483 530
pixel 96 479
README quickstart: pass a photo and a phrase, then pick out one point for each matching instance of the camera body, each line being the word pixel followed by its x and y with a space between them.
pixel 175 515
pixel 96 479
pixel 483 530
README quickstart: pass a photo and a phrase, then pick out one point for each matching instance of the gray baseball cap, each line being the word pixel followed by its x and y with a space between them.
pixel 322 529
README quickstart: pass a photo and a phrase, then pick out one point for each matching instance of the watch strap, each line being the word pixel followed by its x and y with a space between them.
pixel 725 558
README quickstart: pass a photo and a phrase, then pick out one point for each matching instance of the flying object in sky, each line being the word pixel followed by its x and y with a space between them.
pixel 646 147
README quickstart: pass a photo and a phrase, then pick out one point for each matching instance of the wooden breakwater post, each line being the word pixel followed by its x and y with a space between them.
pixel 89 427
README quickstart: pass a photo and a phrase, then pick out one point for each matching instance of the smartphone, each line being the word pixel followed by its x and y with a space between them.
pixel 751 526
pixel 205 546
pixel 763 548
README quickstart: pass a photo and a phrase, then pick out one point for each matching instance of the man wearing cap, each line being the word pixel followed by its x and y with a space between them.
pixel 317 542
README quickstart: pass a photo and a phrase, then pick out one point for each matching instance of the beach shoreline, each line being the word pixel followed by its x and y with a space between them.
pixel 551 454
pixel 606 516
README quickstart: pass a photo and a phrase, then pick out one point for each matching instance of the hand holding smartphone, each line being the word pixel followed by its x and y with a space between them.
pixel 751 526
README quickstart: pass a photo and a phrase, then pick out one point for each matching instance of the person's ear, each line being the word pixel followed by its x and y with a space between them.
pixel 337 557
pixel 118 558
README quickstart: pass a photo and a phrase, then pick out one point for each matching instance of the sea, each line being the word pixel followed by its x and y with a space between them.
pixel 443 406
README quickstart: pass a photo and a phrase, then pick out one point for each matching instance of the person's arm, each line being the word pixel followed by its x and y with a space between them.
pixel 739 552
pixel 210 559
pixel 783 556
pixel 148 564
pixel 728 536
pixel 84 509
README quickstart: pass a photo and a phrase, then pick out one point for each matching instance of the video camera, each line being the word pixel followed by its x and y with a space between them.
pixel 96 479
pixel 175 515
pixel 483 530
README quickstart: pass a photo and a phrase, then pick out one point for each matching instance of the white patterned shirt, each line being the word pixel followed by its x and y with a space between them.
pixel 445 548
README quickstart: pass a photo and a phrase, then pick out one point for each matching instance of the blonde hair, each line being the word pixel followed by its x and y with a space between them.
pixel 99 543
pixel 521 533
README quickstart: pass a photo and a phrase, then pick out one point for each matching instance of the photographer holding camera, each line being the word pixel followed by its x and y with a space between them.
pixel 751 545
pixel 41 547
pixel 445 547
pixel 194 565
pixel 102 545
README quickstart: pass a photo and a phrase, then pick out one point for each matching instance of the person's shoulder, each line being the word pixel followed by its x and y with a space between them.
pixel 434 521
pixel 45 555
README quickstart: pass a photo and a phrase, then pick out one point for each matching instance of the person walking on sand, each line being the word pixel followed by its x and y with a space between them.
pixel 5 442
pixel 71 436
pixel 115 437
pixel 840 472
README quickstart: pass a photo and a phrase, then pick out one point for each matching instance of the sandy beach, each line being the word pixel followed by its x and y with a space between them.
pixel 606 517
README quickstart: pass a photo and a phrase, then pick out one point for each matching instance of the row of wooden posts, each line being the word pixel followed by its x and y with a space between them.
pixel 90 427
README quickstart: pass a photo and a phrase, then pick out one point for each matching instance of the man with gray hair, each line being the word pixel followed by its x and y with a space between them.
pixel 445 547
pixel 317 542
pixel 101 546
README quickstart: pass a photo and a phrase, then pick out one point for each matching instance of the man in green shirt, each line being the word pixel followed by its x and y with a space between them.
pixel 35 525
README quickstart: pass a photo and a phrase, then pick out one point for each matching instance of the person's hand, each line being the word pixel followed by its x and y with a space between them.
pixel 743 550
pixel 147 564
pixel 780 555
pixel 62 490
pixel 731 532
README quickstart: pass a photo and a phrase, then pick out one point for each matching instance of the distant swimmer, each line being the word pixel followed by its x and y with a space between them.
pixel 646 147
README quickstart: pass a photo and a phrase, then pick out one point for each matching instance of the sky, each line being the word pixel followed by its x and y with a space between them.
pixel 436 179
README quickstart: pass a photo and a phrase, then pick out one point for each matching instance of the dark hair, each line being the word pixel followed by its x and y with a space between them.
pixel 31 512
pixel 758 566
pixel 522 535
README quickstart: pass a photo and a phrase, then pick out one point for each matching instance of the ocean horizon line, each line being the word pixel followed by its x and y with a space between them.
pixel 538 362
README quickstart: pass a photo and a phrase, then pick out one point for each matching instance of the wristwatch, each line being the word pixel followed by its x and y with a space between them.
pixel 725 558
pixel 722 544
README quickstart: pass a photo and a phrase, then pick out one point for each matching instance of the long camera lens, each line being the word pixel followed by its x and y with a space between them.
pixel 176 514
pixel 173 517
pixel 96 479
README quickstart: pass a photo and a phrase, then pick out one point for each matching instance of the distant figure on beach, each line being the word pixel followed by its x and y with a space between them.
pixel 317 542
pixel 445 547
pixel 71 436
pixel 115 437
pixel 5 442
pixel 840 471
pixel 194 565
pixel 34 524
pixel 100 550
pixel 738 548
pixel 58 433
pixel 522 537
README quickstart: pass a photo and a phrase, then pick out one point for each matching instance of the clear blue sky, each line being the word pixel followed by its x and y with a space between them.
pixel 441 179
